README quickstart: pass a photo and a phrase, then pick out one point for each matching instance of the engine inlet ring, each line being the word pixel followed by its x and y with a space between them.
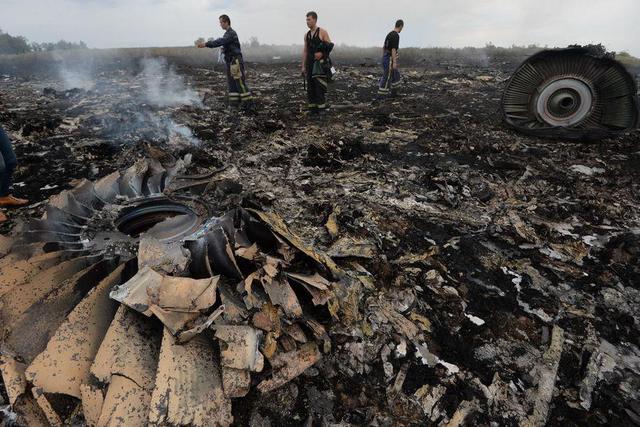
pixel 564 102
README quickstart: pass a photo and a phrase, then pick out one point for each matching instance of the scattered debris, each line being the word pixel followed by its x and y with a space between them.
pixel 408 264
pixel 586 170
pixel 546 379
pixel 287 366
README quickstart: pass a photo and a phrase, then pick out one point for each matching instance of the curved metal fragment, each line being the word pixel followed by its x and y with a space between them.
pixel 188 385
pixel 30 334
pixel 15 269
pixel 130 183
pixel 67 202
pixel 173 229
pixel 15 302
pixel 85 194
pixel 107 188
pixel 163 219
pixel 155 179
pixel 200 266
pixel 55 214
pixel 220 253
pixel 64 365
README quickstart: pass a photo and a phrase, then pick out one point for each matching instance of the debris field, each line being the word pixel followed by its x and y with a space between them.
pixel 406 261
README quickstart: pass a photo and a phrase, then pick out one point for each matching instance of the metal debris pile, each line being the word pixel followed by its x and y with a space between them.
pixel 208 306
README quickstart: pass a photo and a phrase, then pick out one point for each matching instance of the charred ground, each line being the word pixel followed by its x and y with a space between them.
pixel 483 239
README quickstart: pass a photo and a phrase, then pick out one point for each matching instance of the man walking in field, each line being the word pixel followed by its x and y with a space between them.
pixel 391 73
pixel 239 93
pixel 316 63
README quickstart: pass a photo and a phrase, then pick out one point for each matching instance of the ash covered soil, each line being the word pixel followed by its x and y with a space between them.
pixel 494 258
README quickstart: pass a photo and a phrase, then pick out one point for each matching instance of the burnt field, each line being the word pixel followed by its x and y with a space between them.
pixel 500 273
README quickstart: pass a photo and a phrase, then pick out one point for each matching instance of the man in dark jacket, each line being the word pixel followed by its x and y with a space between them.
pixel 8 164
pixel 391 73
pixel 238 91
pixel 316 63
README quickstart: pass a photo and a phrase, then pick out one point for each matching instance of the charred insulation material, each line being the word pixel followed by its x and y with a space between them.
pixel 571 93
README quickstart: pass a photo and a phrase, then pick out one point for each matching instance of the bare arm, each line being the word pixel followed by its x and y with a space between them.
pixel 394 57
pixel 324 36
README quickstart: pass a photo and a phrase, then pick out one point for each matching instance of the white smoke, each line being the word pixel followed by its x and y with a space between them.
pixel 176 134
pixel 165 88
pixel 74 79
pixel 155 87
pixel 79 75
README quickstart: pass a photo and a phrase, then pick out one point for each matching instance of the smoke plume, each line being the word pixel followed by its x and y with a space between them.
pixel 140 104
pixel 164 87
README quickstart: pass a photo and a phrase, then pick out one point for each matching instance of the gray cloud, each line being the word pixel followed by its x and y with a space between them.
pixel 120 23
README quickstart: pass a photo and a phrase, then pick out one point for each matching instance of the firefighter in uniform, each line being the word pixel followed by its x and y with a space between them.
pixel 239 93
pixel 316 63
pixel 391 74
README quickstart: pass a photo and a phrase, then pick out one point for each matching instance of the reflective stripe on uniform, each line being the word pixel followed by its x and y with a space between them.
pixel 390 74
pixel 242 86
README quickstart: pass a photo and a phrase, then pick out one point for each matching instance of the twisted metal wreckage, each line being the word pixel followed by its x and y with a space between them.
pixel 571 93
pixel 203 300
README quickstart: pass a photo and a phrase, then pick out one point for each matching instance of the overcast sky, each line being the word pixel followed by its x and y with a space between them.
pixel 457 23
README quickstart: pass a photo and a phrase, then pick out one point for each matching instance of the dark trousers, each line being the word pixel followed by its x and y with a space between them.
pixel 238 90
pixel 390 77
pixel 316 91
pixel 8 163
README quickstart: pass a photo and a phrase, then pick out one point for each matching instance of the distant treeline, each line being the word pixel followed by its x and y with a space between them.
pixel 93 61
pixel 39 64
pixel 17 45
